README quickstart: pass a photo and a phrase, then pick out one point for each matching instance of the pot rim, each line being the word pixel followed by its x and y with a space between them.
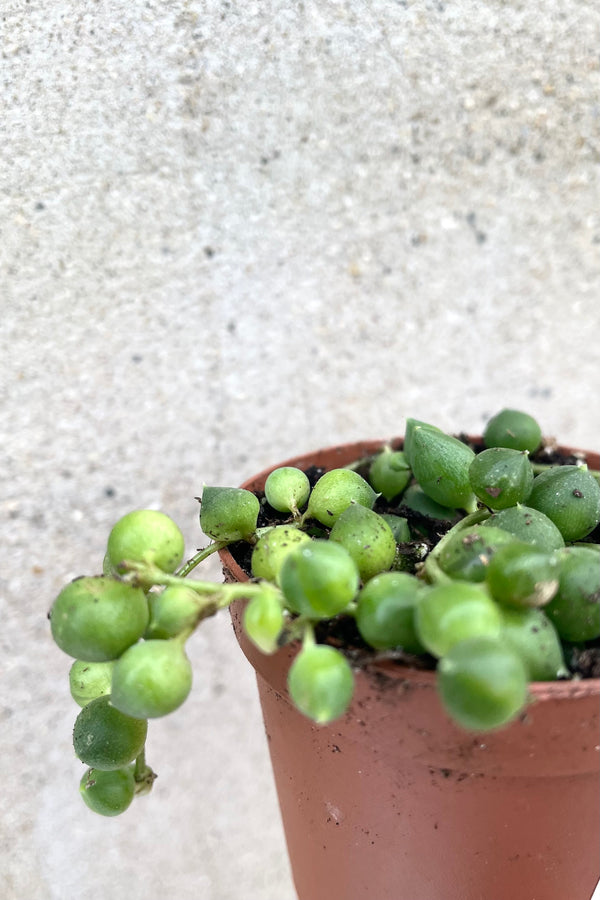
pixel 541 690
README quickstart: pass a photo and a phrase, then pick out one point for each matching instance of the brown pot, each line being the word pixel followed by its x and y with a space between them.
pixel 395 802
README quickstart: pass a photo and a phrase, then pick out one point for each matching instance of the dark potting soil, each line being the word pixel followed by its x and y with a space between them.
pixel 582 660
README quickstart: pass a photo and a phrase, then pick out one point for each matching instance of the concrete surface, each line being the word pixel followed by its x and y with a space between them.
pixel 232 232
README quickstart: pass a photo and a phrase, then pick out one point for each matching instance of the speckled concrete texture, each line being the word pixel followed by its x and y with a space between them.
pixel 230 233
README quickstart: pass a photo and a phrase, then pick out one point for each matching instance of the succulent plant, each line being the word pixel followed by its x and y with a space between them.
pixel 476 556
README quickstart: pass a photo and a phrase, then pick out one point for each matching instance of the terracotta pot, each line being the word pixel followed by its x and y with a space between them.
pixel 395 802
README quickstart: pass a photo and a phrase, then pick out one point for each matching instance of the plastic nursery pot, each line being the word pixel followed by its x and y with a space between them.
pixel 395 802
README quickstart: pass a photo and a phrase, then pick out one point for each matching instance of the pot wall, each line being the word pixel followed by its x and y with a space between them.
pixel 395 801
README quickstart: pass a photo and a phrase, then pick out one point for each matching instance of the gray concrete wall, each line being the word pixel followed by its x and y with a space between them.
pixel 229 233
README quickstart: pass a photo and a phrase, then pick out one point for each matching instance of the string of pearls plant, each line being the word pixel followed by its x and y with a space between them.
pixel 477 561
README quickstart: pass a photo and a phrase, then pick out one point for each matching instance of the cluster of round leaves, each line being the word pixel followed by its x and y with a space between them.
pixel 130 661
pixel 498 598
pixel 493 604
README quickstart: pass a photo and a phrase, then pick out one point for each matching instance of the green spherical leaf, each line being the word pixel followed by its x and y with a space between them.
pixel 335 491
pixel 570 497
pixel 452 612
pixel 531 634
pixel 440 463
pixel 575 609
pixel 145 535
pixel 521 575
pixel 411 427
pixel 173 610
pixel 89 680
pixel 368 539
pixel 528 525
pixel 96 618
pixel 319 579
pixel 389 473
pixel 105 738
pixel 228 514
pixel 263 620
pixel 151 679
pixel 386 610
pixel 466 554
pixel 321 683
pixel 501 477
pixel 514 429
pixel 108 793
pixel 287 489
pixel 483 683
pixel 272 548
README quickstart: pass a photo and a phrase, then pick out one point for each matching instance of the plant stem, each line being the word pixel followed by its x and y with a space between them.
pixel 200 556
pixel 140 766
pixel 308 638
pixel 143 775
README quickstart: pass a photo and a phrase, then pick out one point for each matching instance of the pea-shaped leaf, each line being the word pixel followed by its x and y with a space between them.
pixel 411 427
pixel 501 477
pixel 89 680
pixel 368 539
pixel 263 620
pixel 106 738
pixel 272 548
pixel 466 554
pixel 335 491
pixel 287 489
pixel 522 575
pixel 532 635
pixel 483 683
pixel 96 618
pixel 575 609
pixel 452 612
pixel 570 497
pixel 386 610
pixel 145 535
pixel 389 472
pixel 514 429
pixel 228 514
pixel 151 679
pixel 440 463
pixel 108 793
pixel 175 609
pixel 319 579
pixel 527 524
pixel 321 683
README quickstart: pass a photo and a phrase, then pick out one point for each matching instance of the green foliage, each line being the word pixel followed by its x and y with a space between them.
pixel 482 683
pixel 105 738
pixel 319 579
pixel 513 429
pixel 145 535
pixel 287 489
pixel 570 497
pixel 334 492
pixel 228 514
pixel 96 618
pixel 368 539
pixel 462 556
pixel 89 680
pixel 151 679
pixel 108 793
pixel 321 683
pixel 501 477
